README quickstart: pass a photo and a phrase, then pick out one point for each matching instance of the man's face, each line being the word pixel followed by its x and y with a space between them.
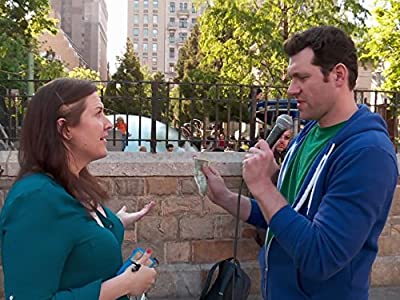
pixel 314 92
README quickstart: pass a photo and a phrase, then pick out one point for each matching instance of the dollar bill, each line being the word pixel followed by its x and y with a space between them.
pixel 199 177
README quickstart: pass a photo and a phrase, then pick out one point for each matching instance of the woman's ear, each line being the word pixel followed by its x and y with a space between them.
pixel 63 129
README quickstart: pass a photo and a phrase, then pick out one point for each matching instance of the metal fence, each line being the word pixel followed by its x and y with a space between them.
pixel 209 116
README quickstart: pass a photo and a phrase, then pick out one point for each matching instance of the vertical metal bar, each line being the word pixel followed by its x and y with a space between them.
pixel 155 109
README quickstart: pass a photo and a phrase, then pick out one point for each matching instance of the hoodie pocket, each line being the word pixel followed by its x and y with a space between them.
pixel 300 286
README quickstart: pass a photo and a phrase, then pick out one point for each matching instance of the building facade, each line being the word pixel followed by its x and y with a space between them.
pixel 158 29
pixel 85 23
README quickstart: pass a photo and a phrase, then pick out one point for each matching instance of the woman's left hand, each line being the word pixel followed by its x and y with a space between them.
pixel 130 218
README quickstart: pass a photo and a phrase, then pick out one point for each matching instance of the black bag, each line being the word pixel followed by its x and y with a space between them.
pixel 231 277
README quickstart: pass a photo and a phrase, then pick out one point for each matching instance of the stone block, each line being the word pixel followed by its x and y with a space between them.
pixel 249 232
pixel 188 187
pixel 233 183
pixel 177 252
pixel 386 230
pixel 129 186
pixel 108 184
pixel 195 228
pixel 225 227
pixel 162 185
pixel 211 251
pixel 165 285
pixel 181 206
pixel 386 271
pixel 211 208
pixel 130 235
pixel 208 251
pixel 389 245
pixel 117 202
pixel 157 229
pixel 395 208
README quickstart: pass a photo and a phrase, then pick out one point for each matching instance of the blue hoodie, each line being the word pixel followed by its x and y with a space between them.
pixel 326 242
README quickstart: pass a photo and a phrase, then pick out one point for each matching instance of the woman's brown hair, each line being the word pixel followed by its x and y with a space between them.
pixel 42 147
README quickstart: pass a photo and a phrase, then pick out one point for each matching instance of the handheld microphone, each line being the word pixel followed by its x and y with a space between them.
pixel 283 123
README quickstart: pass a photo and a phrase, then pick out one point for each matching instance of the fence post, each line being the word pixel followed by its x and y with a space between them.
pixel 155 111
pixel 252 120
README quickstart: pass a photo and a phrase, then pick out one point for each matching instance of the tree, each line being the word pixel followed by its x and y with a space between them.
pixel 383 43
pixel 191 76
pixel 239 36
pixel 125 94
pixel 21 22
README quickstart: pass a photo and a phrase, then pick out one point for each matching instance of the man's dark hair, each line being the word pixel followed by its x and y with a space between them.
pixel 181 143
pixel 331 46
pixel 170 146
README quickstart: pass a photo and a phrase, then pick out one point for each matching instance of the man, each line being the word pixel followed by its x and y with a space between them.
pixel 336 184
pixel 170 148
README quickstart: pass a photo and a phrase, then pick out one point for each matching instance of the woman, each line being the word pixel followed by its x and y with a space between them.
pixel 58 240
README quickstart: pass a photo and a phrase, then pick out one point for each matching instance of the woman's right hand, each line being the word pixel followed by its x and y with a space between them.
pixel 143 279
pixel 140 281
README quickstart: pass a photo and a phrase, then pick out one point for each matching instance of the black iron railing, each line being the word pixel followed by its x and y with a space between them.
pixel 211 116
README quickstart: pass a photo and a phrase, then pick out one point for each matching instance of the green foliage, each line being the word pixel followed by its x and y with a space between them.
pixel 84 73
pixel 126 94
pixel 383 44
pixel 48 67
pixel 21 22
pixel 238 36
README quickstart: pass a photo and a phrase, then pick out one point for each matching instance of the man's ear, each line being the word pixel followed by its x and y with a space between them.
pixel 341 75
pixel 63 129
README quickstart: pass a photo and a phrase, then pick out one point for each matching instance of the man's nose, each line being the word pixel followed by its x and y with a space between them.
pixel 293 90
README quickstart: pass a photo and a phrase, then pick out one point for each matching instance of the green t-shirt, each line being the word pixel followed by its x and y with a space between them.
pixel 302 160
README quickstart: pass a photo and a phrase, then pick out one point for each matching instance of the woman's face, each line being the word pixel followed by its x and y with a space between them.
pixel 88 139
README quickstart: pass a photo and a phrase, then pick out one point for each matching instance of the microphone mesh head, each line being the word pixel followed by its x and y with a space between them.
pixel 284 121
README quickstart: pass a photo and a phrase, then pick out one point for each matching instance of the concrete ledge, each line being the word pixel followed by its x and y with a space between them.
pixel 142 164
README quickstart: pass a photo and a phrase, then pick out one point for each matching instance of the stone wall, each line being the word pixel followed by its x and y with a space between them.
pixel 186 231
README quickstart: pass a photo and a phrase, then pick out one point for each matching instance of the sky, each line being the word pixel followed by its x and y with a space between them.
pixel 116 30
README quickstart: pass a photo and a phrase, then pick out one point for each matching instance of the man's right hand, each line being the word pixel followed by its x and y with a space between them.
pixel 217 189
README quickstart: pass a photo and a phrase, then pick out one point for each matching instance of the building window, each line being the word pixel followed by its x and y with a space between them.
pixel 135 31
pixel 155 3
pixel 171 68
pixel 154 68
pixel 194 10
pixel 183 23
pixel 135 19
pixel 154 47
pixel 145 19
pixel 171 52
pixel 182 36
pixel 146 3
pixel 145 47
pixel 154 60
pixel 135 47
pixel 155 32
pixel 155 19
pixel 136 3
pixel 183 6
pixel 172 7
pixel 145 32
pixel 172 20
pixel 194 20
pixel 172 37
